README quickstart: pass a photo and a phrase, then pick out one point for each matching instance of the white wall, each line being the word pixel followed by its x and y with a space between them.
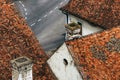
pixel 28 75
pixel 86 27
pixel 20 77
pixel 62 71
pixel 16 75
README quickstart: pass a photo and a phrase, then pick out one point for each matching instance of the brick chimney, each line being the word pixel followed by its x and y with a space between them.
pixel 73 30
pixel 22 69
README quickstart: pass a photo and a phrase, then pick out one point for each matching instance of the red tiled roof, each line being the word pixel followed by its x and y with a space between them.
pixel 17 39
pixel 105 13
pixel 97 56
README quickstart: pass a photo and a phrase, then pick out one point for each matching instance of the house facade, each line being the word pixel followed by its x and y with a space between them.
pixel 104 14
pixel 63 66
pixel 90 56
pixel 87 28
pixel 94 55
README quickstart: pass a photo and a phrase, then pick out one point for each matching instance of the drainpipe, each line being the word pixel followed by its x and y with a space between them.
pixel 67 18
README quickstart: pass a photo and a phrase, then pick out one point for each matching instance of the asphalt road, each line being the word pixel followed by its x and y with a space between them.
pixel 45 19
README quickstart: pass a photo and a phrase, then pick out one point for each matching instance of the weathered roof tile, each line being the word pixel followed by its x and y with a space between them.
pixel 17 39
pixel 97 56
pixel 105 13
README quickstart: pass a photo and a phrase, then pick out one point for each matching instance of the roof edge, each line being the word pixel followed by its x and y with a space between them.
pixel 92 34
pixel 76 15
pixel 75 63
pixel 62 8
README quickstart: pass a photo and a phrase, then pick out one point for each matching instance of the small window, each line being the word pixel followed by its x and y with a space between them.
pixel 79 23
pixel 65 62
pixel 25 68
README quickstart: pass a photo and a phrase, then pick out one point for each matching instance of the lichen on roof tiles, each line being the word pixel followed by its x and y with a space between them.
pixel 105 13
pixel 97 56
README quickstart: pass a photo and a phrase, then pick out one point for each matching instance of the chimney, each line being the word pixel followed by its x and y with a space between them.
pixel 22 69
pixel 73 31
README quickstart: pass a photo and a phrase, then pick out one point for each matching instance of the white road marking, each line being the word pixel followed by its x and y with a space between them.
pixel 23 5
pixel 39 20
pixel 45 15
pixel 20 2
pixel 13 4
pixel 26 13
pixel 56 7
pixel 25 17
pixel 33 24
pixel 25 9
pixel 61 3
pixel 50 11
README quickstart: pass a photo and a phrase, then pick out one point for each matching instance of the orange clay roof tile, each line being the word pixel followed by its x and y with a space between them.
pixel 17 39
pixel 105 13
pixel 97 56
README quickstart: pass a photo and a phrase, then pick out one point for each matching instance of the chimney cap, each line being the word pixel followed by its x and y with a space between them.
pixel 72 26
pixel 21 61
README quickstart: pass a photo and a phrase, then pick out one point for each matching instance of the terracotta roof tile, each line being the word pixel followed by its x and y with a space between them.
pixel 17 39
pixel 105 13
pixel 97 56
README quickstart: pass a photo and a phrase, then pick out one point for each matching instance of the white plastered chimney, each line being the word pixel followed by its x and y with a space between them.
pixel 22 68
